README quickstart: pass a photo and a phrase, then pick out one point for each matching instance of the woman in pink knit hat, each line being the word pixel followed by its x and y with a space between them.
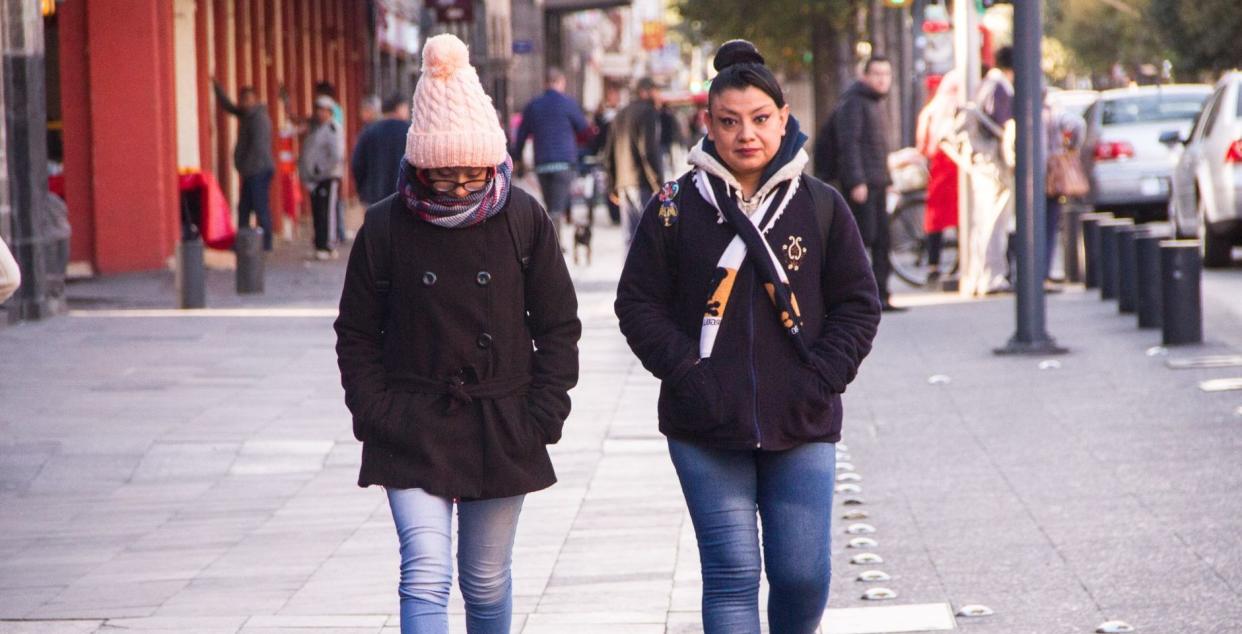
pixel 457 344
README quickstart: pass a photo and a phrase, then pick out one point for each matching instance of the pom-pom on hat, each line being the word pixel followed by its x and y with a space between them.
pixel 453 122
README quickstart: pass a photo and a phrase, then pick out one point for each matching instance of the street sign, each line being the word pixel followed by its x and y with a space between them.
pixel 523 47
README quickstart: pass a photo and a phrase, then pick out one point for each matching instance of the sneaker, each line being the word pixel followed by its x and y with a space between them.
pixel 933 280
pixel 323 255
pixel 888 307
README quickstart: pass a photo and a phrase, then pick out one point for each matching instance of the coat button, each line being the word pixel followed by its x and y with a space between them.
pixel 484 341
pixel 429 279
pixel 484 278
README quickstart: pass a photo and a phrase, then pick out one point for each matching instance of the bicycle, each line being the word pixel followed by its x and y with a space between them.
pixel 909 253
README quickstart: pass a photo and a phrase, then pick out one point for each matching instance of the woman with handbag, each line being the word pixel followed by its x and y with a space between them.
pixel 457 344
pixel 1065 176
pixel 748 292
pixel 936 123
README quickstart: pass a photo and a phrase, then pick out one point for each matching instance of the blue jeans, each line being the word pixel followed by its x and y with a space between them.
pixel 485 532
pixel 792 493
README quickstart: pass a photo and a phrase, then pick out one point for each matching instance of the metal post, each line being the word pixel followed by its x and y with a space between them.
pixel 1147 249
pixel 1030 336
pixel 250 269
pixel 1181 303
pixel 23 159
pixel 1127 269
pixel 1091 247
pixel 1071 254
pixel 1108 260
pixel 191 274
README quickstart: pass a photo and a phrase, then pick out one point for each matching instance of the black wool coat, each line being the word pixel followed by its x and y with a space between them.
pixel 754 392
pixel 857 140
pixel 459 389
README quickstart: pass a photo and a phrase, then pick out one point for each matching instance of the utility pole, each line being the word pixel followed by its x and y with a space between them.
pixel 1031 335
pixel 23 144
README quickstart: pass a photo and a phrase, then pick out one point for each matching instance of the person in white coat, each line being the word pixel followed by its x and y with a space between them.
pixel 10 275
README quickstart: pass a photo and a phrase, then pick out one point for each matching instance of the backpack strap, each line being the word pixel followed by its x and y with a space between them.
pixel 378 226
pixel 823 203
pixel 520 218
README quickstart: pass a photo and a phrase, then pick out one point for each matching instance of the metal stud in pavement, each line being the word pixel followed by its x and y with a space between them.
pixel 939 379
pixel 873 575
pixel 974 609
pixel 853 516
pixel 862 542
pixel 1050 364
pixel 849 477
pixel 845 466
pixel 841 455
pixel 841 447
pixel 1157 351
pixel 866 559
pixel 853 501
pixel 879 594
pixel 848 488
pixel 859 529
pixel 1113 627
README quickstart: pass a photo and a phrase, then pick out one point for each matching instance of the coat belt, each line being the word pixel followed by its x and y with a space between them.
pixel 459 393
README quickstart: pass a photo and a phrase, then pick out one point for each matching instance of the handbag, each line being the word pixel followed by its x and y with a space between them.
pixel 1066 176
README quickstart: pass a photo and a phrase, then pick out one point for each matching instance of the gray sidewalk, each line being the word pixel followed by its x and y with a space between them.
pixel 196 473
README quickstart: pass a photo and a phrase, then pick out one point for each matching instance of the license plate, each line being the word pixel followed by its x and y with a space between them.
pixel 1153 186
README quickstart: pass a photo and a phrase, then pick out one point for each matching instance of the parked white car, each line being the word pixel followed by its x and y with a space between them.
pixel 1207 179
pixel 1128 167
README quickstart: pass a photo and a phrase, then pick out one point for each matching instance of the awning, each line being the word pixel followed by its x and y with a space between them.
pixel 583 5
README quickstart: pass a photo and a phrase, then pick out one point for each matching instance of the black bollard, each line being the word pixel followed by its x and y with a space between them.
pixel 1182 311
pixel 1091 247
pixel 1147 253
pixel 1108 256
pixel 1127 269
pixel 249 248
pixel 191 274
pixel 1072 253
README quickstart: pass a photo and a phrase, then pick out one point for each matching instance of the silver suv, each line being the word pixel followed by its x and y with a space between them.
pixel 1207 179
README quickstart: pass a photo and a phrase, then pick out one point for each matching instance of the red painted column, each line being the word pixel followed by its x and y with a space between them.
pixel 133 133
pixel 76 114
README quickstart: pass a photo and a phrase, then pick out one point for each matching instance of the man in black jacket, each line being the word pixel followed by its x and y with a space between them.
pixel 852 150
pixel 378 151
pixel 252 156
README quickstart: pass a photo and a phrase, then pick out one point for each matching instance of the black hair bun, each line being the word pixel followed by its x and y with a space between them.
pixel 736 52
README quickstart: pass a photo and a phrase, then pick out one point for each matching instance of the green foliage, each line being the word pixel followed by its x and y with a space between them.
pixel 1099 34
pixel 1203 35
pixel 780 28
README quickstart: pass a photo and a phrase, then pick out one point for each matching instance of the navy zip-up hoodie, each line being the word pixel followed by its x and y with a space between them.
pixel 554 120
pixel 754 391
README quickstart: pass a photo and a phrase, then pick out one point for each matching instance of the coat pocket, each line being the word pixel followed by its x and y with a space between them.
pixel 811 401
pixel 697 400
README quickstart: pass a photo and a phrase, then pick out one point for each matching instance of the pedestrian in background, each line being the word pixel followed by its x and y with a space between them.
pixel 371 109
pixel 632 154
pixel 252 156
pixel 937 123
pixel 747 291
pixel 457 343
pixel 376 160
pixel 10 273
pixel 991 181
pixel 604 115
pixel 856 155
pixel 555 120
pixel 1064 132
pixel 328 89
pixel 321 166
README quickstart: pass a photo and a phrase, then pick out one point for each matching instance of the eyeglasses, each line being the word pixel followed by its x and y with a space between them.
pixel 446 186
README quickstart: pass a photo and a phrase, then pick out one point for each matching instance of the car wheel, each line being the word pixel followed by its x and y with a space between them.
pixel 1215 249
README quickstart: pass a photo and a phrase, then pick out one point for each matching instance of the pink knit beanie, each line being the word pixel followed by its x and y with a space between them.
pixel 453 122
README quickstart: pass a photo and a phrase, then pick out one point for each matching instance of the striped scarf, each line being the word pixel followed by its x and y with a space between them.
pixel 448 211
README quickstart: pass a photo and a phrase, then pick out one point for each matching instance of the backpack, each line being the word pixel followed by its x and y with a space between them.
pixel 378 223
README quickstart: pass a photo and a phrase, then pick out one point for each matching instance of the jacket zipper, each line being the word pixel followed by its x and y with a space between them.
pixel 754 379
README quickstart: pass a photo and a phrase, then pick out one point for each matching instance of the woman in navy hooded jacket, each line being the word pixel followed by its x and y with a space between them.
pixel 748 292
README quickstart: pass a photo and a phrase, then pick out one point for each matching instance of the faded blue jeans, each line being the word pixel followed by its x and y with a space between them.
pixel 485 532
pixel 791 493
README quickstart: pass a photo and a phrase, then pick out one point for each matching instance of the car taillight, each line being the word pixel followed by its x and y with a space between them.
pixel 1234 153
pixel 1113 150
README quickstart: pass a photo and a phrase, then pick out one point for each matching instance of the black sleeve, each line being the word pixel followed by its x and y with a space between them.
pixel 824 152
pixel 851 301
pixel 847 128
pixel 552 316
pixel 225 103
pixel 646 296
pixel 358 161
pixel 359 345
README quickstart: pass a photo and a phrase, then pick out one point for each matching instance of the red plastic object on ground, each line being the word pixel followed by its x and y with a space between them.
pixel 216 224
